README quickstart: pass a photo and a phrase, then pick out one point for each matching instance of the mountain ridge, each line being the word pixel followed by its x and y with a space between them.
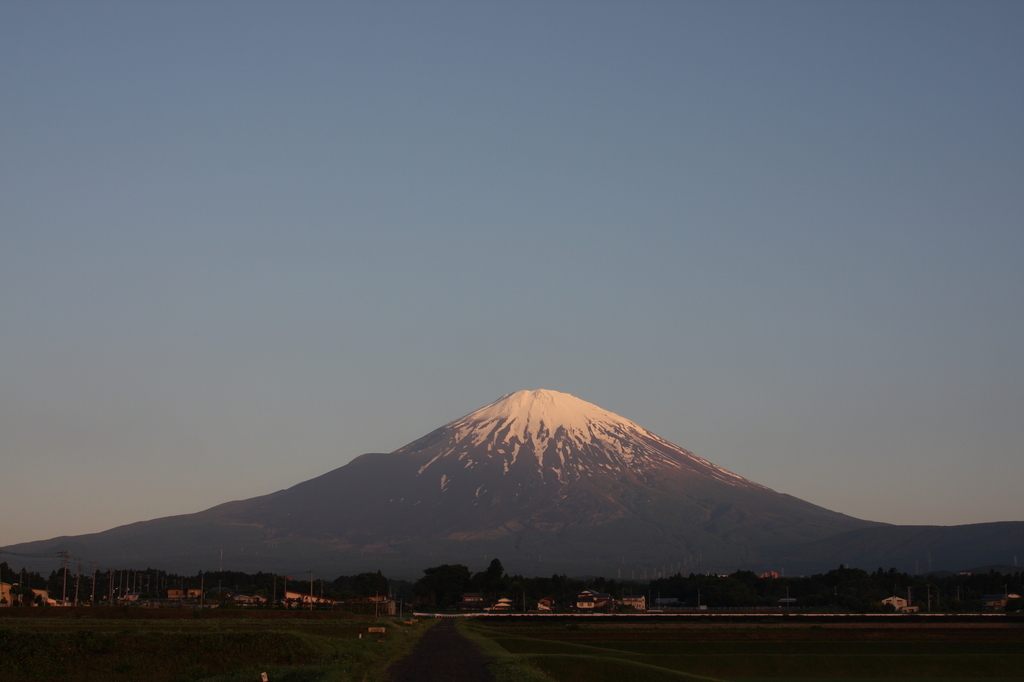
pixel 543 479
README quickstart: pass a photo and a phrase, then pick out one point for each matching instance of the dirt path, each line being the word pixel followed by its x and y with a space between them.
pixel 442 655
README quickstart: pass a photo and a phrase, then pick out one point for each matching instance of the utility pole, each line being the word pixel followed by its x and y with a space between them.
pixel 64 562
pixel 311 589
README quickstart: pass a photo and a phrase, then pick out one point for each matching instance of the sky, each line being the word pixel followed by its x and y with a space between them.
pixel 242 243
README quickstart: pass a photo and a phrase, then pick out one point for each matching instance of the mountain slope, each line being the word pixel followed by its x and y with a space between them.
pixel 535 462
pixel 548 482
pixel 917 549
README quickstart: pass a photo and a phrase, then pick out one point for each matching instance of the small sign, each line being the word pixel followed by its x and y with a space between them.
pixel 378 629
pixel 265 678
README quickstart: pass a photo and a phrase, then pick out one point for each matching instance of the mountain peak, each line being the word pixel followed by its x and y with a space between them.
pixel 531 414
pixel 534 474
pixel 553 438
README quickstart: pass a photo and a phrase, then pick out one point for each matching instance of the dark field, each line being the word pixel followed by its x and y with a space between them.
pixel 179 645
pixel 153 645
pixel 612 652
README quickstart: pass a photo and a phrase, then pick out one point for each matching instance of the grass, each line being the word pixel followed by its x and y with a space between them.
pixel 504 666
pixel 599 653
pixel 102 648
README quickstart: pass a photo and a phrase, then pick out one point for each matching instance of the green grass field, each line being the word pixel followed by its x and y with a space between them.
pixel 616 653
pixel 289 647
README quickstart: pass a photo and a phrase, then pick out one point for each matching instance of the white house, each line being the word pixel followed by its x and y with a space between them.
pixel 900 604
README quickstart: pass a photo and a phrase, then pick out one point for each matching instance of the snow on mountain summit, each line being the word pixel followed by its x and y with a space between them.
pixel 535 416
pixel 556 437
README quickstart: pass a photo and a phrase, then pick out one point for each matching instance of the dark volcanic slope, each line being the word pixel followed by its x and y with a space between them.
pixel 911 548
pixel 547 469
pixel 547 482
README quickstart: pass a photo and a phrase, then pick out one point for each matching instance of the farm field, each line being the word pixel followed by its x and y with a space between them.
pixel 600 652
pixel 153 645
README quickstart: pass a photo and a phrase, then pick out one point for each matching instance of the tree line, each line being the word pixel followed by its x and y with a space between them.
pixel 841 589
pixel 85 585
pixel 442 587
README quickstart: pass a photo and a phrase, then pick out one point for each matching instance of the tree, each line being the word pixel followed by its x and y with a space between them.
pixel 442 585
pixel 370 584
pixel 492 581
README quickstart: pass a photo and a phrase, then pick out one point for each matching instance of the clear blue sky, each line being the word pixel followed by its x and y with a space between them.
pixel 242 243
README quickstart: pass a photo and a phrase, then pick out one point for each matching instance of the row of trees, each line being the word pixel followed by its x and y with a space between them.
pixel 85 584
pixel 846 589
pixel 842 589
pixel 441 587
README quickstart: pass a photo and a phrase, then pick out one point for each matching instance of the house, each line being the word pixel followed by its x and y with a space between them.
pixel 995 601
pixel 504 604
pixel 175 594
pixel 296 598
pixel 10 596
pixel 471 601
pixel 249 599
pixel 636 601
pixel 42 597
pixel 546 604
pixel 591 599
pixel 900 604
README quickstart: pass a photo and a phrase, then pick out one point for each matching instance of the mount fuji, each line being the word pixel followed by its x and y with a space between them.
pixel 545 481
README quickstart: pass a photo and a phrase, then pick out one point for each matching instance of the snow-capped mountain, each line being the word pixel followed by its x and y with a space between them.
pixel 537 473
pixel 543 459
pixel 557 439
pixel 546 481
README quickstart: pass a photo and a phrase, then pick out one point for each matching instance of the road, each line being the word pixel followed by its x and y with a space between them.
pixel 442 655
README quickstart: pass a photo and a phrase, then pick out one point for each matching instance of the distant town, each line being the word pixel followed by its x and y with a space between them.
pixel 453 588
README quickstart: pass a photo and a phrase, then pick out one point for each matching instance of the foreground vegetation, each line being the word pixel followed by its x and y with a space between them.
pixel 599 652
pixel 131 644
pixel 115 644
